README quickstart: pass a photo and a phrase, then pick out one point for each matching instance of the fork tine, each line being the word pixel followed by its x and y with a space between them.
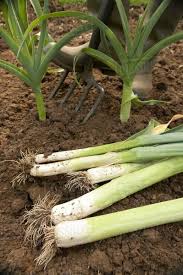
pixel 88 78
pixel 85 92
pixel 101 92
pixel 58 86
pixel 69 92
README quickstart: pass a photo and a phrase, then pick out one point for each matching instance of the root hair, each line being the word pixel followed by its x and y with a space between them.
pixel 79 180
pixel 49 248
pixel 24 165
pixel 39 218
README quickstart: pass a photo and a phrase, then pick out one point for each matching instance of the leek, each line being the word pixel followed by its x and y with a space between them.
pixel 133 56
pixel 72 233
pixel 86 180
pixel 138 154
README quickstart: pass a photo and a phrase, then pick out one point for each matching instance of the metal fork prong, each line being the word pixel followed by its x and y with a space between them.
pixel 60 83
pixel 69 93
pixel 101 92
pixel 85 92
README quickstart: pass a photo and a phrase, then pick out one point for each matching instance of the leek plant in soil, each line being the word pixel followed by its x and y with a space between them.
pixel 46 212
pixel 132 56
pixel 72 233
pixel 30 54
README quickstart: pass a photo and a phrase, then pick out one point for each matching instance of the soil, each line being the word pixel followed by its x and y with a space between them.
pixel 153 251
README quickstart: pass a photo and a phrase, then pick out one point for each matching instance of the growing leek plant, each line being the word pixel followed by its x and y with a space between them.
pixel 30 57
pixel 33 61
pixel 131 56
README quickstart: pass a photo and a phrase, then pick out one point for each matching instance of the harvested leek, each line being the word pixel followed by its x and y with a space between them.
pixel 72 233
pixel 139 154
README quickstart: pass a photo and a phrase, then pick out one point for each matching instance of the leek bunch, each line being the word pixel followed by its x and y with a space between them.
pixel 125 167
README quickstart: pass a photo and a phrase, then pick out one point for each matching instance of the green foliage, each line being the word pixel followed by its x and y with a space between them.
pixel 15 17
pixel 35 63
pixel 132 57
pixel 30 52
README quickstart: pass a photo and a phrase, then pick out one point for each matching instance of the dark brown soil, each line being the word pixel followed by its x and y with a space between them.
pixel 153 251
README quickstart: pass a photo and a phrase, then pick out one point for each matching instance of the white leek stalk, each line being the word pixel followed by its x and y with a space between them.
pixel 139 154
pixel 72 233
pixel 105 173
pixel 89 179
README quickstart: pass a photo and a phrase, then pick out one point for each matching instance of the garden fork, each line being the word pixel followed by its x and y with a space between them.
pixel 89 83
pixel 84 65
